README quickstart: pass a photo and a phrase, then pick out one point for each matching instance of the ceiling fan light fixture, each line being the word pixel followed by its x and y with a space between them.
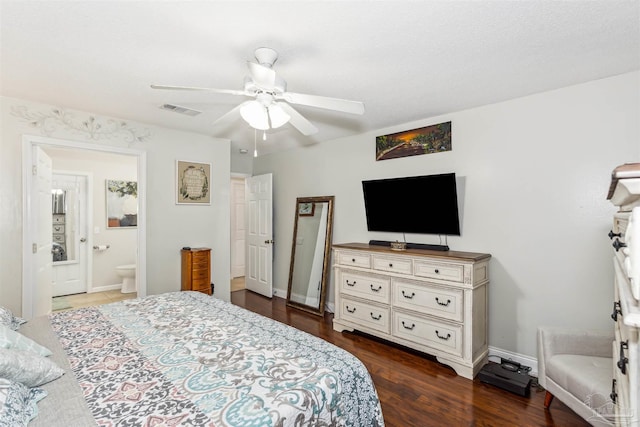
pixel 277 116
pixel 255 114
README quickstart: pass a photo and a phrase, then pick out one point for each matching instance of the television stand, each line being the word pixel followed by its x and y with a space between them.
pixel 426 246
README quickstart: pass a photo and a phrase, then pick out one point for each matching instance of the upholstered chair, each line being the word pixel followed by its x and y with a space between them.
pixel 577 367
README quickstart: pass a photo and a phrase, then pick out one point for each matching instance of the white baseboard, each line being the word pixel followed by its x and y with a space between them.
pixel 105 288
pixel 496 353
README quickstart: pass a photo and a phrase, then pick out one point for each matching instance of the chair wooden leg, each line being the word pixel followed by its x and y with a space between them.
pixel 548 397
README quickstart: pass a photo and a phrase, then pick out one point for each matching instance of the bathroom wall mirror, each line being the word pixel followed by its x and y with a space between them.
pixel 310 254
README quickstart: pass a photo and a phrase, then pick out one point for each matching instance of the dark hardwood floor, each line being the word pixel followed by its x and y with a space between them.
pixel 414 389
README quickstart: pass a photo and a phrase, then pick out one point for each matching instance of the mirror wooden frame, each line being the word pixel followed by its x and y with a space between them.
pixel 324 283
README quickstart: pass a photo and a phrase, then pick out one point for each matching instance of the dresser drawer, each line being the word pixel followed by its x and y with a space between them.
pixel 58 218
pixel 58 228
pixel 200 284
pixel 371 287
pixel 435 270
pixel 368 315
pixel 431 333
pixel 200 274
pixel 58 238
pixel 426 299
pixel 354 259
pixel 393 265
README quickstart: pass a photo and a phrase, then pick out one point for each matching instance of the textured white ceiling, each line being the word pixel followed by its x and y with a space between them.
pixel 406 60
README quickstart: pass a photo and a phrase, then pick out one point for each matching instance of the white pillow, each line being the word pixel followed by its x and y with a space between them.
pixel 27 368
pixel 18 403
pixel 8 319
pixel 12 339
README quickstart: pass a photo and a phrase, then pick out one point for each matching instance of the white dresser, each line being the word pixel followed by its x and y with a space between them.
pixel 431 301
pixel 624 193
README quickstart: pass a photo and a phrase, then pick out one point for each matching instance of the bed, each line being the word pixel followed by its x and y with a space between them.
pixel 185 358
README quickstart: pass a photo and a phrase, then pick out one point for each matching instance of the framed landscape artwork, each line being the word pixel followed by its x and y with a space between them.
pixel 122 203
pixel 426 140
pixel 193 183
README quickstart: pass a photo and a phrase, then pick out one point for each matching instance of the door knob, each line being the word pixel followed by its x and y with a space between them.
pixel 268 241
pixel 83 239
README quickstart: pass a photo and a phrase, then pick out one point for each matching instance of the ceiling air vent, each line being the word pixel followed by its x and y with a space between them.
pixel 182 110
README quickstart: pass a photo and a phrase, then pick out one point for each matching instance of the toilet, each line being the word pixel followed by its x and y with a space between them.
pixel 128 274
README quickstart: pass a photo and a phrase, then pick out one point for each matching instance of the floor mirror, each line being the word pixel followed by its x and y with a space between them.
pixel 310 254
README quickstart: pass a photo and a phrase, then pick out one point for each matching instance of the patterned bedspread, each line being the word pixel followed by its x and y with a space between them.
pixel 186 358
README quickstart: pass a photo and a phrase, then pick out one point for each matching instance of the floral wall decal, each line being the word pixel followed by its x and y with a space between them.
pixel 90 127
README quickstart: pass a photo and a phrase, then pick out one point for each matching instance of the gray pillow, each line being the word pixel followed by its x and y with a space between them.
pixel 27 368
pixel 8 319
pixel 18 403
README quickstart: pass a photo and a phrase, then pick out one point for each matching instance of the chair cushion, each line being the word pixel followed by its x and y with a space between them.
pixel 588 378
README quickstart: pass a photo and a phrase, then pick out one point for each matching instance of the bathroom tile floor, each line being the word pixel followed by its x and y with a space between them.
pixel 87 300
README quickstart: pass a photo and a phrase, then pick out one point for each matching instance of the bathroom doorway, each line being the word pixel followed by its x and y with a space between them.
pixel 31 305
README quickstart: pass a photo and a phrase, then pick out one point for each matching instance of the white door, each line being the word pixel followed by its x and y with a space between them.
pixel 237 227
pixel 259 232
pixel 42 207
pixel 70 268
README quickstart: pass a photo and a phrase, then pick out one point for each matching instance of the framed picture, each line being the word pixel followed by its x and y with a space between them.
pixel 122 203
pixel 193 182
pixel 426 140
pixel 306 209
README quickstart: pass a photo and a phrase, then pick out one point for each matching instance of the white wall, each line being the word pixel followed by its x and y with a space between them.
pixel 535 174
pixel 169 226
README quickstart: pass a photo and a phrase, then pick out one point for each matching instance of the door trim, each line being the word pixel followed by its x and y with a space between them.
pixel 29 218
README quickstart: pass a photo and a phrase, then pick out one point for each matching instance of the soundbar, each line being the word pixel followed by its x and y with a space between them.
pixel 411 245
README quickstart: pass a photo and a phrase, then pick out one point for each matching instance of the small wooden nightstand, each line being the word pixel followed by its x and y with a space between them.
pixel 196 270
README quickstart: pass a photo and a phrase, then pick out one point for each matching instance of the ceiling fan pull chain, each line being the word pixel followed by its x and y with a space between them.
pixel 255 145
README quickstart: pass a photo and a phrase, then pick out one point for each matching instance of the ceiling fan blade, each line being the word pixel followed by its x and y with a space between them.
pixel 303 125
pixel 263 76
pixel 232 115
pixel 202 89
pixel 344 105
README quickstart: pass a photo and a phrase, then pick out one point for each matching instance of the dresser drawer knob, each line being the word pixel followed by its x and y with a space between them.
pixel 612 234
pixel 390 265
pixel 437 271
pixel 442 337
pixel 376 318
pixel 616 311
pixel 413 294
pixel 376 289
pixel 413 325
pixel 353 260
pixel 444 304
pixel 351 283
pixel 617 244
pixel 622 363
pixel 351 310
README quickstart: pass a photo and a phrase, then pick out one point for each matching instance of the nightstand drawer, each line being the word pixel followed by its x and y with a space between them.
pixel 440 302
pixel 428 332
pixel 433 270
pixel 368 315
pixel 371 287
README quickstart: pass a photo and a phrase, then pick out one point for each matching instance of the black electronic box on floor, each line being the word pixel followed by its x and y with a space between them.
pixel 510 380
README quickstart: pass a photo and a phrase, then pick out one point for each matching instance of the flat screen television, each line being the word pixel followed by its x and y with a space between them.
pixel 425 204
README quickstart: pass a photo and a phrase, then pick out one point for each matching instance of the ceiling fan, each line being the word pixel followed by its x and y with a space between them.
pixel 270 107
